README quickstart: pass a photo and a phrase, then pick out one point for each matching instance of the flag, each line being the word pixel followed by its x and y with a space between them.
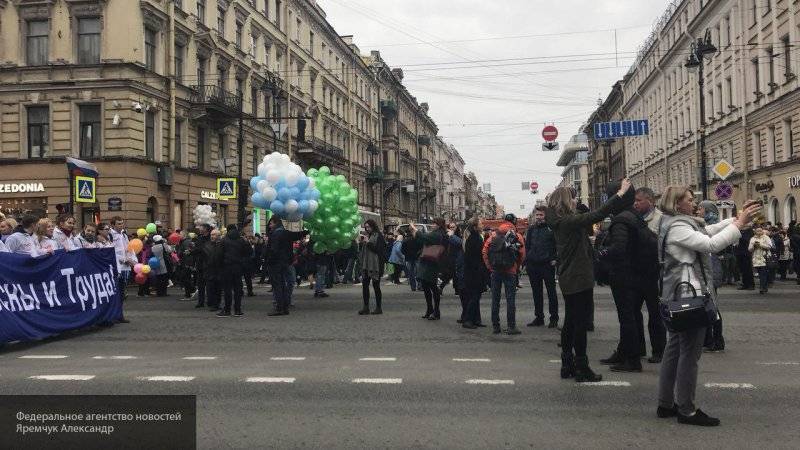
pixel 79 168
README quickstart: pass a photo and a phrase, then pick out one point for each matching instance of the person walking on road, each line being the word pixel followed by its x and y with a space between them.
pixel 540 263
pixel 411 249
pixel 744 259
pixel 475 275
pixel 434 249
pixel 576 273
pixel 503 254
pixel 373 260
pixel 212 270
pixel 236 252
pixel 685 259
pixel 760 247
pixel 280 251
pixel 396 258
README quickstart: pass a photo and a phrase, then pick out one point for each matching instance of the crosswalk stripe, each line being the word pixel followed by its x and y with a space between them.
pixel 377 380
pixel 115 357
pixel 729 386
pixel 200 358
pixel 43 357
pixel 377 359
pixel 62 377
pixel 288 358
pixel 489 381
pixel 270 380
pixel 472 360
pixel 167 378
pixel 607 383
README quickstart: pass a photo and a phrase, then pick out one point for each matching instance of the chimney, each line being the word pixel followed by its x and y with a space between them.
pixel 398 73
pixel 424 107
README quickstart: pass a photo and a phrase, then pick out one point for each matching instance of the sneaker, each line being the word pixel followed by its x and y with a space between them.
pixel 699 418
pixel 513 331
pixel 377 311
pixel 655 359
pixel 169 285
pixel 553 324
pixel 496 329
pixel 469 326
pixel 630 365
pixel 665 413
pixel 536 323
pixel 323 295
pixel 224 314
pixel 238 314
pixel 363 312
pixel 275 313
pixel 615 358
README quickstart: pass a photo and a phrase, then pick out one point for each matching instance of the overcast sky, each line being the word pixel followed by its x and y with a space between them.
pixel 494 72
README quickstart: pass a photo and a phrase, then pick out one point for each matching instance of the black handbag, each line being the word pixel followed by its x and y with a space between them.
pixel 687 310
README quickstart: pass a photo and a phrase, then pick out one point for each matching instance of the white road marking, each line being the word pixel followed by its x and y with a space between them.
pixel 607 383
pixel 115 357
pixel 43 357
pixel 166 378
pixel 377 380
pixel 288 358
pixel 779 363
pixel 490 382
pixel 199 358
pixel 555 361
pixel 62 377
pixel 270 380
pixel 377 359
pixel 729 386
pixel 472 360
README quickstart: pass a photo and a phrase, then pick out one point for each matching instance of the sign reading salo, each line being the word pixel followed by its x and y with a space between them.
pixel 21 187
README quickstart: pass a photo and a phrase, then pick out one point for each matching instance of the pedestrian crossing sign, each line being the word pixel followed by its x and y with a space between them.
pixel 85 190
pixel 226 188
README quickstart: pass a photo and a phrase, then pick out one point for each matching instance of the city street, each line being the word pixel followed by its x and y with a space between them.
pixel 325 377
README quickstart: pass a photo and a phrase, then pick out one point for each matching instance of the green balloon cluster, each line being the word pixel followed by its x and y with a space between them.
pixel 336 222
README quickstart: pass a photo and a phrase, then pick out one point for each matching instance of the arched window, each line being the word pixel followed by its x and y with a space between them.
pixel 774 212
pixel 789 210
pixel 152 209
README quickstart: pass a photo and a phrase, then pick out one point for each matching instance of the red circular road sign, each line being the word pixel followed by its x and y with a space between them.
pixel 534 186
pixel 550 133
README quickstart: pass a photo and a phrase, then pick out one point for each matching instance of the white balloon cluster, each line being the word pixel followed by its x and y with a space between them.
pixel 204 215
pixel 281 186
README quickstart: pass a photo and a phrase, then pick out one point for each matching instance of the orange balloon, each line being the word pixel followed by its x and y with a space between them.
pixel 135 245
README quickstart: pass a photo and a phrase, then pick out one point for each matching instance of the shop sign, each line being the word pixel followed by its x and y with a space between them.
pixel 6 188
pixel 764 187
pixel 794 181
pixel 208 195
pixel 115 204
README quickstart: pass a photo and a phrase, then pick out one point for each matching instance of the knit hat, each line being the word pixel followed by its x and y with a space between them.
pixel 712 212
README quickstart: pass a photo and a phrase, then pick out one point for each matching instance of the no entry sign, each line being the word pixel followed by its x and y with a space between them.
pixel 534 186
pixel 550 133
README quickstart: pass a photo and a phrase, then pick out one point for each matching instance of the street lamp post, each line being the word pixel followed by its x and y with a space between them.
pixel 699 51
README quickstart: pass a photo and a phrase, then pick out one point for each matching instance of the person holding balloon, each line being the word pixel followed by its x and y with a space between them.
pixel 160 251
pixel 281 255
pixel 126 251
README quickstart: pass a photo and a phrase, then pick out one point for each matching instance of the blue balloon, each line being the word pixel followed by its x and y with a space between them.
pixel 314 195
pixel 294 193
pixel 258 200
pixel 254 182
pixel 153 263
pixel 277 207
pixel 302 183
pixel 280 185
pixel 303 207
pixel 284 194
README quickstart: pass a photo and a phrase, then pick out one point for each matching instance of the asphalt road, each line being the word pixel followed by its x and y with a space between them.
pixel 302 381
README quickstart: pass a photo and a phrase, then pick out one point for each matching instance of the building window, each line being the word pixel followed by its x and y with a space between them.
pixel 239 33
pixel 89 41
pixel 240 88
pixel 788 139
pixel 222 73
pixel 201 11
pixel 201 71
pixel 178 157
pixel 278 13
pixel 756 142
pixel 266 53
pixel 256 158
pixel 787 57
pixel 179 49
pixel 729 92
pixel 221 151
pixel 90 130
pixel 38 131
pixel 150 49
pixel 150 134
pixel 221 22
pixel 178 3
pixel 201 148
pixel 770 160
pixel 37 42
pixel 311 43
pixel 254 100
pixel 771 68
pixel 756 78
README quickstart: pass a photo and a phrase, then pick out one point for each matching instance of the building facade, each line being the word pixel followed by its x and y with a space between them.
pixel 750 92
pixel 575 161
pixel 167 96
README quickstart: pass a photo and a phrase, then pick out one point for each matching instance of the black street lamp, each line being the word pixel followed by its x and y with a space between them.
pixel 700 51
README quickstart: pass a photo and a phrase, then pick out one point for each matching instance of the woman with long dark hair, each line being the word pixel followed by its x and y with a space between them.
pixel 576 273
pixel 434 244
pixel 474 275
pixel 372 261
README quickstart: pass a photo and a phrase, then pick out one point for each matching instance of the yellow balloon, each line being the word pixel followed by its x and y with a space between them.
pixel 141 232
pixel 145 269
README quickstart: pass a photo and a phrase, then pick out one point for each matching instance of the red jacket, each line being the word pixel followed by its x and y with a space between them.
pixel 504 228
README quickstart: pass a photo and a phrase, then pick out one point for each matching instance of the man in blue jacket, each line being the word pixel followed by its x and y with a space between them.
pixel 540 262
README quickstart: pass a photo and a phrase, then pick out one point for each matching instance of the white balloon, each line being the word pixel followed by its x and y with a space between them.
pixel 311 183
pixel 269 194
pixel 312 205
pixel 291 178
pixel 263 184
pixel 273 177
pixel 291 206
pixel 269 167
pixel 262 170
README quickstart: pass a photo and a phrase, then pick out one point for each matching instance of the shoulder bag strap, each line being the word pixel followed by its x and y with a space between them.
pixel 661 264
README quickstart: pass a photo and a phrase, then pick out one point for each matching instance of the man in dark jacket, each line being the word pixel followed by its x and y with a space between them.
pixel 212 269
pixel 199 260
pixel 540 262
pixel 280 254
pixel 236 253
pixel 411 250
pixel 745 260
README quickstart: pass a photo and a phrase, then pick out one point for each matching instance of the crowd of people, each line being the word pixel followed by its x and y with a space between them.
pixel 644 253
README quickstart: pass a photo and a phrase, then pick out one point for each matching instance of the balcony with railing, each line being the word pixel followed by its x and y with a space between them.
pixel 215 103
pixel 375 175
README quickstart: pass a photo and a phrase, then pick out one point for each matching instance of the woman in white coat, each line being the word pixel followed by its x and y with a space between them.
pixel 760 247
pixel 687 247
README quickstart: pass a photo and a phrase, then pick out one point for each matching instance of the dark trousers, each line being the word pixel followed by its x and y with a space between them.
pixel 264 272
pixel 376 286
pixel 763 278
pixel 746 270
pixel 432 297
pixel 187 279
pixel 544 274
pixel 232 286
pixel 648 295
pixel 248 280
pixel 507 281
pixel 398 269
pixel 280 293
pixel 214 292
pixel 577 312
pixel 470 305
pixel 625 298
pixel 714 338
pixel 161 284
pixel 201 288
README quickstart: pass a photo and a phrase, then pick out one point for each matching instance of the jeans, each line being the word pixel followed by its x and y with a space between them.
pixel 320 278
pixel 577 313
pixel 677 380
pixel 348 271
pixel 544 274
pixel 411 271
pixel 508 281
pixel 278 274
pixel 763 278
pixel 291 279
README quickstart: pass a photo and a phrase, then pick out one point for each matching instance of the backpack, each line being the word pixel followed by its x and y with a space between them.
pixel 504 251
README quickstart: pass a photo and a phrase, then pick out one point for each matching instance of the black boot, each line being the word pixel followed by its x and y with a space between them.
pixel 567 365
pixel 583 373
pixel 628 365
pixel 615 358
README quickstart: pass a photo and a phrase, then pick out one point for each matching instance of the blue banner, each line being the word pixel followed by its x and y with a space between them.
pixel 45 296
